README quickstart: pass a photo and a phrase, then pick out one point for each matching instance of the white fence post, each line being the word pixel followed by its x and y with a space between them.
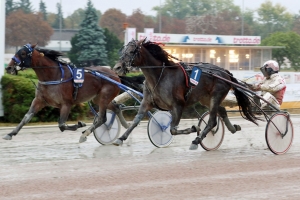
pixel 2 47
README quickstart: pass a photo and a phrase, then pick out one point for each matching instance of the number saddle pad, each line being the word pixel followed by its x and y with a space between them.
pixel 195 75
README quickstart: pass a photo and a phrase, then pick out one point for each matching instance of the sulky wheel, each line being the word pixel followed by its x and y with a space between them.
pixel 214 138
pixel 159 129
pixel 110 130
pixel 279 133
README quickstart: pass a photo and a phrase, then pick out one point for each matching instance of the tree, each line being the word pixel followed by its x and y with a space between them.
pixel 91 39
pixel 172 25
pixel 140 21
pixel 51 17
pixel 43 10
pixel 26 6
pixel 291 42
pixel 22 28
pixel 75 19
pixel 113 45
pixel 59 20
pixel 296 23
pixel 9 7
pixel 273 18
pixel 113 20
pixel 181 9
pixel 74 52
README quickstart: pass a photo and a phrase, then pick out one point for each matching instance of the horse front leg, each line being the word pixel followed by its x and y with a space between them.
pixel 63 117
pixel 137 119
pixel 36 106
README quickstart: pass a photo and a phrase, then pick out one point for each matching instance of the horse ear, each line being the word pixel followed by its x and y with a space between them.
pixel 144 40
pixel 34 45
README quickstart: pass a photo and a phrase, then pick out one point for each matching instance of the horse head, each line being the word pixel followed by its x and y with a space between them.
pixel 21 60
pixel 129 57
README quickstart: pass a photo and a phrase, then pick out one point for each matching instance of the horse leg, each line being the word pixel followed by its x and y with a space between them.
pixel 115 107
pixel 176 115
pixel 100 120
pixel 64 114
pixel 137 119
pixel 223 114
pixel 212 122
pixel 36 106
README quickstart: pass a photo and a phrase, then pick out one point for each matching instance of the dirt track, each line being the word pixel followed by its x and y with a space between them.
pixel 42 163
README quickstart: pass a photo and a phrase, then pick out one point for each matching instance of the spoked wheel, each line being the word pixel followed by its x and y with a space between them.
pixel 214 138
pixel 110 130
pixel 279 133
pixel 159 129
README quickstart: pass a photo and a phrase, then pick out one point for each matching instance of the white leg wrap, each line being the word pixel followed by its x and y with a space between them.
pixel 122 97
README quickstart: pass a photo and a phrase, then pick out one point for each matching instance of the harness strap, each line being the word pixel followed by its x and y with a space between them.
pixel 62 77
pixel 185 75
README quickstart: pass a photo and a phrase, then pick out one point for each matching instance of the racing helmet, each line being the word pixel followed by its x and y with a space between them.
pixel 270 67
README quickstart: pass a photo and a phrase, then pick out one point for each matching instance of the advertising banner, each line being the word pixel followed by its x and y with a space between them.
pixel 200 39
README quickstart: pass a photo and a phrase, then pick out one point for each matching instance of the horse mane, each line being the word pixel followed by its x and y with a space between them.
pixel 52 54
pixel 159 53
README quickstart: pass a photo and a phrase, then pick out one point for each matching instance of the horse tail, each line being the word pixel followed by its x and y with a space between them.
pixel 244 103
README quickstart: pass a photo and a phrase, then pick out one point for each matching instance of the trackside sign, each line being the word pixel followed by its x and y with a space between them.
pixel 200 39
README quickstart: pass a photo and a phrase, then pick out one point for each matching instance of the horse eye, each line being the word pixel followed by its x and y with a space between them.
pixel 23 54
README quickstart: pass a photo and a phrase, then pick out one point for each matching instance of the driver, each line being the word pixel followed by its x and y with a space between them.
pixel 272 87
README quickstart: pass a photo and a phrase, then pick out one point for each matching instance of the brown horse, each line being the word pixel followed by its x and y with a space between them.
pixel 56 87
pixel 166 89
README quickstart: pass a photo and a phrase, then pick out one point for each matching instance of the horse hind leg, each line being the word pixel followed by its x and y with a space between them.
pixel 212 122
pixel 74 127
pixel 223 114
pixel 101 120
pixel 64 113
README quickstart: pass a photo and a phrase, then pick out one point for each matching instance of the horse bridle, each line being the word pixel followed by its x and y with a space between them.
pixel 23 62
pixel 128 57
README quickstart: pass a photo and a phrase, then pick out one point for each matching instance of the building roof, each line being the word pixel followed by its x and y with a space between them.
pixel 64 34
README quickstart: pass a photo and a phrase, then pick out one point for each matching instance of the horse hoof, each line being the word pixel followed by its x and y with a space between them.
pixel 237 127
pixel 129 141
pixel 118 142
pixel 7 137
pixel 195 129
pixel 81 124
pixel 82 139
pixel 193 147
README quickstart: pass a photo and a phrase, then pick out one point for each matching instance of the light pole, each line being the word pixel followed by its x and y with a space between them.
pixel 60 24
pixel 242 17
pixel 159 29
pixel 125 25
pixel 2 49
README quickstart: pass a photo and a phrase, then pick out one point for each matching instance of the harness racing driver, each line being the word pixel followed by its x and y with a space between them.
pixel 272 87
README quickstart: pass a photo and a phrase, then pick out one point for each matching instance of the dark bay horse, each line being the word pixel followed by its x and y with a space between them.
pixel 56 87
pixel 166 89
